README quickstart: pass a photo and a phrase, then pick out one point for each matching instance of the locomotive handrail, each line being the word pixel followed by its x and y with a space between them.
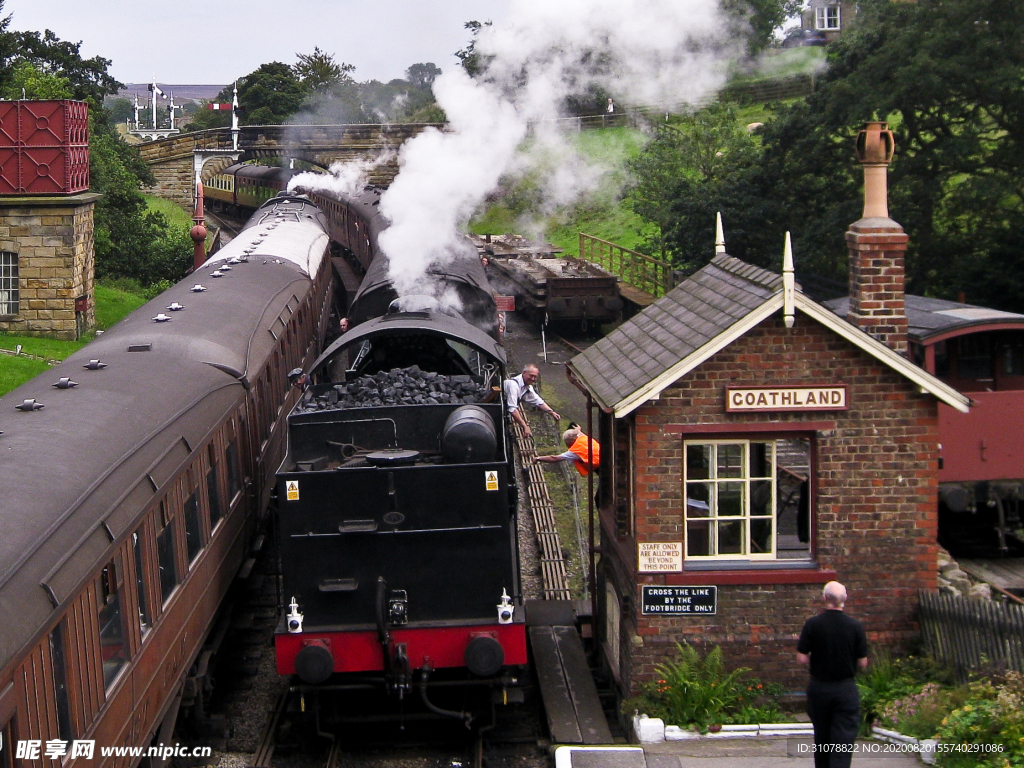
pixel 647 273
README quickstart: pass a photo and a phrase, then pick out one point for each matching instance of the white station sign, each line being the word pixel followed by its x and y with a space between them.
pixel 786 399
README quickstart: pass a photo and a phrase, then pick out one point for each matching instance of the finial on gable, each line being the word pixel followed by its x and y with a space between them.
pixel 719 234
pixel 788 284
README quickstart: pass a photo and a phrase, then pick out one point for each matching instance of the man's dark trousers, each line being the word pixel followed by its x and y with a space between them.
pixel 834 708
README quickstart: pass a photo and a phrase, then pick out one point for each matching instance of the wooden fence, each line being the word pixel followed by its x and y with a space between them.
pixel 650 275
pixel 971 634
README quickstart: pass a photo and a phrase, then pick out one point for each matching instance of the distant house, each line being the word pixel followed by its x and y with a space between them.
pixel 829 17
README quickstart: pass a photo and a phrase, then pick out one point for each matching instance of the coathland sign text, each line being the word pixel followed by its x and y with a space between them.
pixel 786 399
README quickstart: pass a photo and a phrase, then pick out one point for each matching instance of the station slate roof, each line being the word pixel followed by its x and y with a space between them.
pixel 928 318
pixel 698 318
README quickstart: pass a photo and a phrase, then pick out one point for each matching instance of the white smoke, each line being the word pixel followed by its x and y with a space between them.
pixel 647 52
pixel 343 179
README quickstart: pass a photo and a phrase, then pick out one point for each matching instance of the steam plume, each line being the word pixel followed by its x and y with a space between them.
pixel 343 179
pixel 640 51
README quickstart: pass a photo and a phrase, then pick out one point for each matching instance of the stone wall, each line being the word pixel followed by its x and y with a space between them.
pixel 873 512
pixel 171 162
pixel 54 240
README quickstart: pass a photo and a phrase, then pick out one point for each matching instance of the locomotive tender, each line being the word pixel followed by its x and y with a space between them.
pixel 397 498
pixel 134 474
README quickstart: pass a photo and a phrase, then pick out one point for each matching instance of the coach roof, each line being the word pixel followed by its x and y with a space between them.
pixel 69 469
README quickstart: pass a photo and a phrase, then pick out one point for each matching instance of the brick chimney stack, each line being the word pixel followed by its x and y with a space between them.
pixel 877 248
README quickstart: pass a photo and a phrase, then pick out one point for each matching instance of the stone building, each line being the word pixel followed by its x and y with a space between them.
pixel 46 219
pixel 757 445
pixel 47 265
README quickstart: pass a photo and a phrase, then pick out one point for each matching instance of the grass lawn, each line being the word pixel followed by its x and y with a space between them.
pixel 38 352
pixel 113 304
pixel 15 371
pixel 175 214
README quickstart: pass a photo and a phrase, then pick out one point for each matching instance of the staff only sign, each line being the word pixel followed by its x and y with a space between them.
pixel 786 398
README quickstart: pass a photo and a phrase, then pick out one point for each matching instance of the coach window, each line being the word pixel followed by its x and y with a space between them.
pixel 213 489
pixel 193 525
pixel 113 643
pixel 60 683
pixel 234 474
pixel 145 620
pixel 165 548
pixel 747 499
pixel 7 745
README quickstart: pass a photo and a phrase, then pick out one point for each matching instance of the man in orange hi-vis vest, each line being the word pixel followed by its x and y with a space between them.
pixel 578 453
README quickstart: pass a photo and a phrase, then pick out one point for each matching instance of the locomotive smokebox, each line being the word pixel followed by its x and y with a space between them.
pixel 469 436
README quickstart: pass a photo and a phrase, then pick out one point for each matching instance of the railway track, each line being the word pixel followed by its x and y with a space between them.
pixel 554 575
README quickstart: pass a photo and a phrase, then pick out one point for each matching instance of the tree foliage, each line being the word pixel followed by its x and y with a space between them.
pixel 948 75
pixel 271 94
pixel 471 61
pixel 422 75
pixel 320 73
pixel 319 90
pixel 761 19
pixel 683 174
pixel 129 240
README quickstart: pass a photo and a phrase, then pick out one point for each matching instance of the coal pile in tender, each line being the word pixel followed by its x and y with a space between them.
pixel 400 386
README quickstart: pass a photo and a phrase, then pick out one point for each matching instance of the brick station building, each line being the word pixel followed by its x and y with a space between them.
pixel 755 446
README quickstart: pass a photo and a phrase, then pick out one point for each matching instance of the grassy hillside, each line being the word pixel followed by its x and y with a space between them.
pixel 176 215
pixel 603 215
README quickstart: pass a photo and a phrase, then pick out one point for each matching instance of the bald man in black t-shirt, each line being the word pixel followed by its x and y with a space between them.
pixel 835 647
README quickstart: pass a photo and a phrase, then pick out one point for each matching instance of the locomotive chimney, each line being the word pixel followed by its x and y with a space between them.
pixel 877 246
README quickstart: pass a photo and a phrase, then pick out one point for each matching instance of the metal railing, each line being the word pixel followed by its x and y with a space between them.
pixel 653 276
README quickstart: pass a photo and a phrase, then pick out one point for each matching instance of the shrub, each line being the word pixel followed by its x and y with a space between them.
pixel 888 679
pixel 990 721
pixel 920 714
pixel 698 692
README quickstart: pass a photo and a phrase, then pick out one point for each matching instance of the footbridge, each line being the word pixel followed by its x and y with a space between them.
pixel 177 161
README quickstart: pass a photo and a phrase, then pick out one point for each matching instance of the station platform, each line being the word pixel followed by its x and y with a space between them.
pixel 722 753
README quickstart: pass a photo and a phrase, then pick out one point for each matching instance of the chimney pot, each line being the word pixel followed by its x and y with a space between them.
pixel 875 143
pixel 877 247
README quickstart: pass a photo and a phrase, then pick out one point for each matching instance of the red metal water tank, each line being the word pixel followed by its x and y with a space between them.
pixel 44 147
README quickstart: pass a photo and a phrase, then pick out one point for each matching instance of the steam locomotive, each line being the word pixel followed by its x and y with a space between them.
pixel 397 497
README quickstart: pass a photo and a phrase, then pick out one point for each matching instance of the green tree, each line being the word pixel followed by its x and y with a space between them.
pixel 683 174
pixel 119 110
pixel 320 73
pixel 471 61
pixel 761 19
pixel 27 81
pixel 271 94
pixel 948 75
pixel 422 75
